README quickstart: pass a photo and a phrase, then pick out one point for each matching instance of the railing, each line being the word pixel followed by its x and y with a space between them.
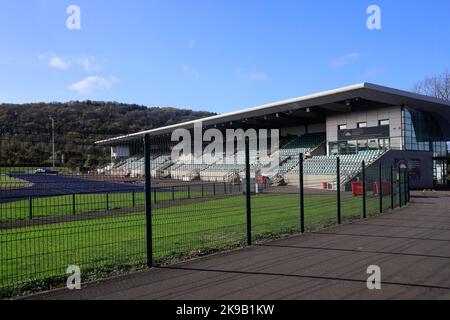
pixel 107 224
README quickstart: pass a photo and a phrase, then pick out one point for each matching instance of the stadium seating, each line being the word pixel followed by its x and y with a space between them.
pixel 350 164
pixel 220 167
pixel 303 144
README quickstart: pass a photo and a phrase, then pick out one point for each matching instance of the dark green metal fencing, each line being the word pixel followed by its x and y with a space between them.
pixel 145 209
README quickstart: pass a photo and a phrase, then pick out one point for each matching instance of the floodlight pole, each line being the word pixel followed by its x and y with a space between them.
pixel 53 142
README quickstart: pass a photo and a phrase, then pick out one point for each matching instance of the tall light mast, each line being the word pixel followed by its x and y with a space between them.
pixel 53 142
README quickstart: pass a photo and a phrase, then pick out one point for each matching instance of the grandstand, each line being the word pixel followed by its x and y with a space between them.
pixel 188 168
pixel 361 122
pixel 303 144
pixel 320 169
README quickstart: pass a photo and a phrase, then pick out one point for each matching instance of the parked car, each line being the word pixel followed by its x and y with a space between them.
pixel 45 171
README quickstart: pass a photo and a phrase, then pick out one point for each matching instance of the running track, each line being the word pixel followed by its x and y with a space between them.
pixel 54 185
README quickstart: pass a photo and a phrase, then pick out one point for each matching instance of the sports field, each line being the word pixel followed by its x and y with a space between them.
pixel 180 230
pixel 75 204
pixel 7 182
pixel 41 185
pixel 99 224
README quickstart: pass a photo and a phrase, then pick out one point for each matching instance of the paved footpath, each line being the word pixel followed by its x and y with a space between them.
pixel 411 246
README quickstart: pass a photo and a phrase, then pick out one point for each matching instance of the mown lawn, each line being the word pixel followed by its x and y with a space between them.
pixel 7 170
pixel 7 182
pixel 44 251
pixel 42 207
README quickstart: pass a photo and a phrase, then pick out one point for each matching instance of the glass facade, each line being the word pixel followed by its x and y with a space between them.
pixel 419 132
pixel 440 172
pixel 422 133
pixel 355 146
pixel 363 138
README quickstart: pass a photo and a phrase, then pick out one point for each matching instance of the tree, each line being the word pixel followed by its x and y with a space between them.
pixel 437 86
pixel 88 162
pixel 25 136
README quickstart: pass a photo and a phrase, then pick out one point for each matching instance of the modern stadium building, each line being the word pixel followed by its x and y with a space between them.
pixel 360 122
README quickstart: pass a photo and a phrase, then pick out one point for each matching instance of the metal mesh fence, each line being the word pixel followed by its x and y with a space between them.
pixel 133 204
pixel 63 209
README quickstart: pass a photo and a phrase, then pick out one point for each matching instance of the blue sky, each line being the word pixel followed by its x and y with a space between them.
pixel 216 55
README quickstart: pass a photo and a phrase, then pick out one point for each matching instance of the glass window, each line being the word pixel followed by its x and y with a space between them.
pixel 342 145
pixel 362 145
pixel 384 144
pixel 342 127
pixel 421 132
pixel 351 147
pixel 362 124
pixel 373 144
pixel 334 148
pixel 384 122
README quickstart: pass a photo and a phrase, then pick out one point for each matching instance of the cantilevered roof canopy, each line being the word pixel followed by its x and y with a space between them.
pixel 315 106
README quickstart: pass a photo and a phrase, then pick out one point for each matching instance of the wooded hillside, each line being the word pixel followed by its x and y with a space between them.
pixel 25 129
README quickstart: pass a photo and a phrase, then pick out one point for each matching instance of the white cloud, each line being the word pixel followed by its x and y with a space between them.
pixel 89 63
pixel 192 42
pixel 93 83
pixel 189 71
pixel 55 61
pixel 345 60
pixel 258 76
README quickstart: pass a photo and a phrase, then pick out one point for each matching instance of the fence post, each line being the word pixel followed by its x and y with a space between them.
pixel 30 207
pixel 107 201
pixel 399 186
pixel 404 189
pixel 133 198
pixel 148 204
pixel 203 191
pixel 392 188
pixel 364 189
pixel 302 194
pixel 173 193
pixel 247 193
pixel 338 191
pixel 74 207
pixel 189 191
pixel 154 195
pixel 224 188
pixel 380 187
pixel 408 186
pixel 214 189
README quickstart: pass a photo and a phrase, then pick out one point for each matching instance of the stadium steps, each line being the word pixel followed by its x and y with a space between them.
pixel 321 169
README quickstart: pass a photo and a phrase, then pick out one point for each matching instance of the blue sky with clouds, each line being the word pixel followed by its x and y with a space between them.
pixel 217 55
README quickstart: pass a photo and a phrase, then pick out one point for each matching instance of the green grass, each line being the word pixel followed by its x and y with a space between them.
pixel 44 251
pixel 7 182
pixel 84 203
pixel 6 170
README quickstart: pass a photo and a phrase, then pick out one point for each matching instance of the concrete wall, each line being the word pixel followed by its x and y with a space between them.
pixel 311 181
pixel 394 114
